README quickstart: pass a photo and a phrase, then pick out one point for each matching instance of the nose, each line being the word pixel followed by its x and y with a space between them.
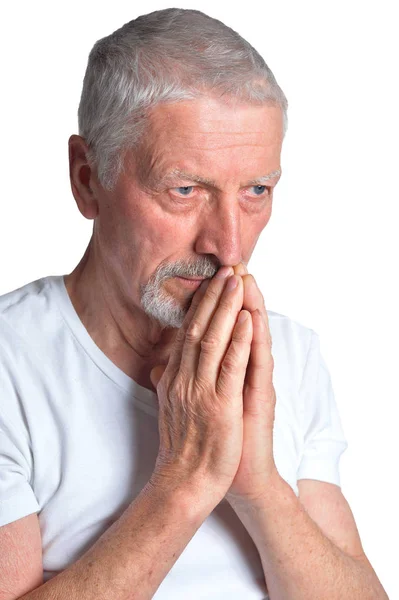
pixel 220 233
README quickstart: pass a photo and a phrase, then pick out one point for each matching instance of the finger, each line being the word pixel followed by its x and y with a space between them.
pixel 233 368
pixel 253 300
pixel 216 336
pixel 177 346
pixel 217 283
pixel 203 351
pixel 260 370
pixel 240 269
pixel 156 374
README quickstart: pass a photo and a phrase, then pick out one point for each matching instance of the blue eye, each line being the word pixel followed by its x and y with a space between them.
pixel 259 189
pixel 185 190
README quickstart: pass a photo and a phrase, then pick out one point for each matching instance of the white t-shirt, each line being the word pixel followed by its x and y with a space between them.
pixel 79 439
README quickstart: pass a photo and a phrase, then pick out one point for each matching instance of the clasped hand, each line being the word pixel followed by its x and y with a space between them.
pixel 216 395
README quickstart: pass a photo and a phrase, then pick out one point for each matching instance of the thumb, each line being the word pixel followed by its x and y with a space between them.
pixel 156 374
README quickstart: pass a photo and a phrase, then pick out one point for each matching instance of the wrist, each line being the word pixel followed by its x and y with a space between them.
pixel 274 490
pixel 191 501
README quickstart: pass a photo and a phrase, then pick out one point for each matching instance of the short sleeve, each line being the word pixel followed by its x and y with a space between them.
pixel 323 437
pixel 17 498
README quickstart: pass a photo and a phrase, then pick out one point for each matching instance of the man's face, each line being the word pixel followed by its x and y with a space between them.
pixel 188 201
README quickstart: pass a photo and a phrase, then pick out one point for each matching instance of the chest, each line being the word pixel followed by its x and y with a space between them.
pixel 98 462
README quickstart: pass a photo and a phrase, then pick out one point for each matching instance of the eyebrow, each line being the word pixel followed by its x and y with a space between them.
pixel 265 178
pixel 205 180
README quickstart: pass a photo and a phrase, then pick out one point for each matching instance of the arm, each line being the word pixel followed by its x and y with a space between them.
pixel 130 560
pixel 299 561
pixel 200 447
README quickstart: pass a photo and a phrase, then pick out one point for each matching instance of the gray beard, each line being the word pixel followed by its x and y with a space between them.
pixel 163 307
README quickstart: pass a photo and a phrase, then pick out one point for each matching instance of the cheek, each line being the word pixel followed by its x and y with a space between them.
pixel 264 218
pixel 251 230
pixel 151 237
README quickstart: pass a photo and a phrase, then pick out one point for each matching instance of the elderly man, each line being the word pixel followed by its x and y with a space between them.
pixel 162 434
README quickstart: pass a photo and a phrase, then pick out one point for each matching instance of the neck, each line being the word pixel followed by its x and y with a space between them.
pixel 125 334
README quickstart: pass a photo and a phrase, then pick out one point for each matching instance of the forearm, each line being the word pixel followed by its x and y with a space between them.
pixel 130 560
pixel 299 561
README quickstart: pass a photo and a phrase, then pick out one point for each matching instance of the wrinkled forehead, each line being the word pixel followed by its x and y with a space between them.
pixel 213 116
pixel 204 128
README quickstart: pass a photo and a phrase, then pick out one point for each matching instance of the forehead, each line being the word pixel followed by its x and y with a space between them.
pixel 213 118
pixel 213 136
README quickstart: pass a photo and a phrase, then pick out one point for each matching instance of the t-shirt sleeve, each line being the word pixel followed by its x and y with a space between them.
pixel 323 436
pixel 17 498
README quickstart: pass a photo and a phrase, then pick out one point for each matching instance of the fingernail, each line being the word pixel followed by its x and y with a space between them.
pixel 224 272
pixel 232 283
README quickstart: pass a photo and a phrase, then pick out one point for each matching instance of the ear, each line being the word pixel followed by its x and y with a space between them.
pixel 82 177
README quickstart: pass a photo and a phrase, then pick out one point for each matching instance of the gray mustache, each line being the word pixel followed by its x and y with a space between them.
pixel 203 269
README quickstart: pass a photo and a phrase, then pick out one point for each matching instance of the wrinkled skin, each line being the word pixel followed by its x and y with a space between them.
pixel 145 222
pixel 215 429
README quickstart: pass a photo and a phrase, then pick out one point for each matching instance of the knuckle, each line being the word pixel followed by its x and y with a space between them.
pixel 241 336
pixel 226 305
pixel 231 360
pixel 229 365
pixel 180 336
pixel 209 344
pixel 230 381
pixel 193 332
pixel 237 354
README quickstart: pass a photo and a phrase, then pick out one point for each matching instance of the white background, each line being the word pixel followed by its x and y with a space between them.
pixel 329 256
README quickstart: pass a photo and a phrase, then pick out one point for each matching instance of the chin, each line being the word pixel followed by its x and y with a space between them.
pixel 165 309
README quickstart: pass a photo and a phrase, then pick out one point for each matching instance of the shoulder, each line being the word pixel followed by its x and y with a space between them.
pixel 19 303
pixel 29 328
pixel 291 342
pixel 31 347
pixel 284 327
pixel 27 315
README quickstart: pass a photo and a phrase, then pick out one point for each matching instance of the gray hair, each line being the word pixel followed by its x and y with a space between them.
pixel 165 56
